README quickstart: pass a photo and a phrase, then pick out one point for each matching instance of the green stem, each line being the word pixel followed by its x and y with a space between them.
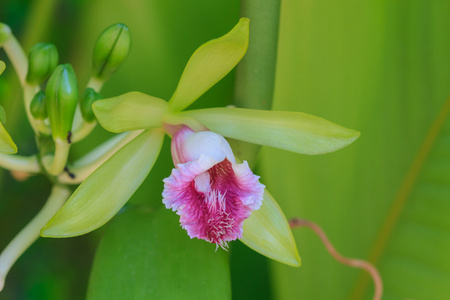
pixel 28 93
pixel 18 58
pixel 16 162
pixel 20 63
pixel 56 164
pixel 31 232
pixel 84 128
pixel 255 74
pixel 83 167
pixel 95 84
pixel 81 128
pixel 38 22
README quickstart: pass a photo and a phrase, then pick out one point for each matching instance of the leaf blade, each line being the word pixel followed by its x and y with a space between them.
pixel 146 255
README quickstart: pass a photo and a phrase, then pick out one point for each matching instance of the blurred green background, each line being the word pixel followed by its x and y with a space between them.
pixel 380 67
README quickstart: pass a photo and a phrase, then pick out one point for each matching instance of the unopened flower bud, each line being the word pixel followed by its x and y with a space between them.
pixel 37 107
pixel 61 97
pixel 111 49
pixel 5 33
pixel 2 115
pixel 90 96
pixel 43 58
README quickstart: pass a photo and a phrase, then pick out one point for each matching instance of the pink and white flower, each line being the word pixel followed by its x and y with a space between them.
pixel 211 192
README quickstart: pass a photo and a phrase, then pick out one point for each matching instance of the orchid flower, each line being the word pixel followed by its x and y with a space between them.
pixel 212 193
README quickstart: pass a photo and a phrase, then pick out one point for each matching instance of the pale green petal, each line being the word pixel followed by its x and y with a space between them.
pixel 107 189
pixel 293 131
pixel 2 67
pixel 130 111
pixel 209 64
pixel 267 232
pixel 6 143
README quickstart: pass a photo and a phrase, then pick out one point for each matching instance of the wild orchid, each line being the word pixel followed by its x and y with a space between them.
pixel 218 198
pixel 211 207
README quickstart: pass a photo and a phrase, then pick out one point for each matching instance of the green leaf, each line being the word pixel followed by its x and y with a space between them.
pixel 209 64
pixel 107 189
pixel 146 255
pixel 6 143
pixel 267 232
pixel 392 93
pixel 415 237
pixel 293 131
pixel 130 111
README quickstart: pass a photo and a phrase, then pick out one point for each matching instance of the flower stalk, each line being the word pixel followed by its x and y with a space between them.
pixel 18 58
pixel 16 162
pixel 56 164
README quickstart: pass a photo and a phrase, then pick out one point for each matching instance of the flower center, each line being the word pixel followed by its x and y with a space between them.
pixel 219 222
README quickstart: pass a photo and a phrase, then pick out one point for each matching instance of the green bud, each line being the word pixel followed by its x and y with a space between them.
pixel 37 107
pixel 5 33
pixel 61 97
pixel 2 115
pixel 43 59
pixel 90 96
pixel 111 49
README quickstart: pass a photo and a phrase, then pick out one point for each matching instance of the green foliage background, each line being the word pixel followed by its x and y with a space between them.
pixel 380 67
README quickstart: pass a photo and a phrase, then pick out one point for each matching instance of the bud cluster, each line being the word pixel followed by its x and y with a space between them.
pixel 59 101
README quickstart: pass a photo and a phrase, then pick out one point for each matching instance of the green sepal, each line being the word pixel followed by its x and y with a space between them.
pixel 209 64
pixel 89 97
pixel 7 145
pixel 292 131
pixel 61 97
pixel 2 67
pixel 267 231
pixel 111 50
pixel 107 189
pixel 42 60
pixel 38 108
pixel 130 111
pixel 5 33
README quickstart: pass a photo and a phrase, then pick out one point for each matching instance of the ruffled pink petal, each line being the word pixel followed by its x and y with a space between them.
pixel 213 198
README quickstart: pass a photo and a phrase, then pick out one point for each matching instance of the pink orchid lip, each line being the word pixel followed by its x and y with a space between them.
pixel 212 194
